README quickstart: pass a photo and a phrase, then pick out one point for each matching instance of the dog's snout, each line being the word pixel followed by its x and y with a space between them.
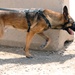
pixel 73 24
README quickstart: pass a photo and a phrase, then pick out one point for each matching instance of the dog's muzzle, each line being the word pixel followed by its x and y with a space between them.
pixel 73 26
pixel 70 29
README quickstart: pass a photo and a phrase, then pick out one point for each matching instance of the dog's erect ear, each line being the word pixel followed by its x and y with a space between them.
pixel 65 12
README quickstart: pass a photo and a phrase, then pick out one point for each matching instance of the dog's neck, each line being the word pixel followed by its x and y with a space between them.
pixel 55 18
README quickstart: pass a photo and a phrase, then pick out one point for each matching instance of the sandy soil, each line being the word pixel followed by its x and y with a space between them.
pixel 14 62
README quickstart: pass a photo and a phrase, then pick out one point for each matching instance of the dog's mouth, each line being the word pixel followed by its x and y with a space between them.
pixel 70 31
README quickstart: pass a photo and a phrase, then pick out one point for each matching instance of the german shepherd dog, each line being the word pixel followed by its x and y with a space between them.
pixel 19 20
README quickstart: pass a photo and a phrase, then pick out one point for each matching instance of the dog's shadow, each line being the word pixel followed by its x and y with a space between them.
pixel 40 57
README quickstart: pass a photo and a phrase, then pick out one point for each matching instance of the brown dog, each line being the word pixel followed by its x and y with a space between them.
pixel 18 20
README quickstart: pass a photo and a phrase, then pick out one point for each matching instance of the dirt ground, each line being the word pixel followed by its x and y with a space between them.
pixel 14 62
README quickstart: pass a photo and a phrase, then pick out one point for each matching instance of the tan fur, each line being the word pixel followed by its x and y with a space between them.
pixel 19 21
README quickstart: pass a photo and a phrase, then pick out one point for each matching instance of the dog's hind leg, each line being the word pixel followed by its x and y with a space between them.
pixel 48 40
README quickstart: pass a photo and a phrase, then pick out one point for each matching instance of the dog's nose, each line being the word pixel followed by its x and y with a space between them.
pixel 74 25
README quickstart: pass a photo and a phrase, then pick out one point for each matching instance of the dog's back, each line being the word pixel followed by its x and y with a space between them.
pixel 17 20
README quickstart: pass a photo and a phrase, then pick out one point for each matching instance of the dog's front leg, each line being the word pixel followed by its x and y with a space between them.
pixel 48 40
pixel 29 37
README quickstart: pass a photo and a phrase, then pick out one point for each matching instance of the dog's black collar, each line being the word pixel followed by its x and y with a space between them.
pixel 40 13
pixel 44 17
pixel 64 26
pixel 28 21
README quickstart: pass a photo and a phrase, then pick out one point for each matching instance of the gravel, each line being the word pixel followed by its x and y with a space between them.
pixel 14 62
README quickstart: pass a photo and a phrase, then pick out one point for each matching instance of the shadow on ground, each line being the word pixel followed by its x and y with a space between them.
pixel 40 57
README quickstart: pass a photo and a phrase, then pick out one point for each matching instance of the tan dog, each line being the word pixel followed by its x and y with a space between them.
pixel 38 25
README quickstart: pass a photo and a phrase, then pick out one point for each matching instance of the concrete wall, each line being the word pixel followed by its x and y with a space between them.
pixel 72 11
pixel 55 5
pixel 66 2
pixel 17 37
pixel 50 4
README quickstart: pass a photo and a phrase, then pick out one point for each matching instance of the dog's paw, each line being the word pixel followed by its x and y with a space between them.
pixel 45 44
pixel 28 55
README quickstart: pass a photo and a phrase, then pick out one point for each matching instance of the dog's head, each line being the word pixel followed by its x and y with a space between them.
pixel 69 24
